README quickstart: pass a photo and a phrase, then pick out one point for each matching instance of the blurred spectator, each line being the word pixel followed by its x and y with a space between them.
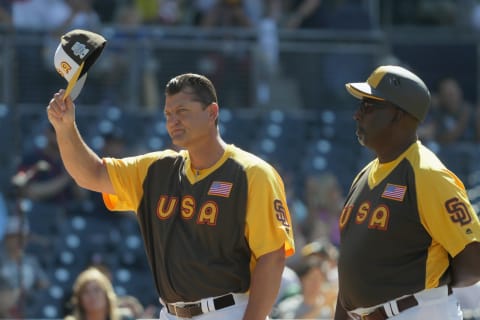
pixel 257 10
pixel 41 176
pixel 198 9
pixel 128 63
pixel 454 116
pixel 38 15
pixel 94 298
pixel 20 271
pixel 317 298
pixel 56 16
pixel 162 12
pixel 8 297
pixel 324 199
pixel 327 254
pixel 5 13
pixel 456 128
pixel 227 13
pixel 81 15
pixel 129 304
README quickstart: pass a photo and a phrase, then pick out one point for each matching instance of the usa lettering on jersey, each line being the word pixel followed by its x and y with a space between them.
pixel 206 212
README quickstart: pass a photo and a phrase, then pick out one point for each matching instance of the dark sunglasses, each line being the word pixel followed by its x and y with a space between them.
pixel 368 106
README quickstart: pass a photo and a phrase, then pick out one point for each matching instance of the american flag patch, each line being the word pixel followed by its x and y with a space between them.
pixel 394 192
pixel 219 188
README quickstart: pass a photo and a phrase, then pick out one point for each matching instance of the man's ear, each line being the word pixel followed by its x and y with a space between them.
pixel 213 113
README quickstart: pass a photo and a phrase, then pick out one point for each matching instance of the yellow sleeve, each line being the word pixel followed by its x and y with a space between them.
pixel 446 211
pixel 269 225
pixel 127 175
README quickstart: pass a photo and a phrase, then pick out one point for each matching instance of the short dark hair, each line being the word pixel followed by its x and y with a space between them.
pixel 202 88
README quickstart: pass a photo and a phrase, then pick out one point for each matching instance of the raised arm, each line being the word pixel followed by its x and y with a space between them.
pixel 81 162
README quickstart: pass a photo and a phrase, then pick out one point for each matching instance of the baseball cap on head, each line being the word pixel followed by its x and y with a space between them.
pixel 77 52
pixel 396 85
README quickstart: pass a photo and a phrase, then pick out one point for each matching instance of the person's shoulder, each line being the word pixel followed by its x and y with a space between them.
pixel 423 158
pixel 153 156
pixel 246 158
pixel 429 168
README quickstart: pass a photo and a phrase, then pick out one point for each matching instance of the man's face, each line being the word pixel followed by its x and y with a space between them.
pixel 374 119
pixel 188 120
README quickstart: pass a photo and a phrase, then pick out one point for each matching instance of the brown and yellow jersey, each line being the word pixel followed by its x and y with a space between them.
pixel 203 231
pixel 401 223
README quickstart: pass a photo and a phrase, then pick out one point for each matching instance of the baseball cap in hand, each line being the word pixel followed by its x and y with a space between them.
pixel 396 85
pixel 77 52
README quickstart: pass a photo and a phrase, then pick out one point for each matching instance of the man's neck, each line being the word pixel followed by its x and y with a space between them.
pixel 204 157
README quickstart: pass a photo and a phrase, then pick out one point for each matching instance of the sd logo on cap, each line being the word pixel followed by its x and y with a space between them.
pixel 77 52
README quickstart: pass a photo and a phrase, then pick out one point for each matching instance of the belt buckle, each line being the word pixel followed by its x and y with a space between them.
pixel 182 312
pixel 175 309
pixel 358 316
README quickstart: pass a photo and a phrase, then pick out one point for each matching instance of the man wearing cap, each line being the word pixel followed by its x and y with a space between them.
pixel 408 231
pixel 214 219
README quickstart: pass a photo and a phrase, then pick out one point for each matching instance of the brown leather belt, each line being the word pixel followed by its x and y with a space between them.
pixel 191 310
pixel 402 304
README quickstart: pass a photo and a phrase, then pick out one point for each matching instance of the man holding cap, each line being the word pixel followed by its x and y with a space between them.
pixel 408 230
pixel 214 218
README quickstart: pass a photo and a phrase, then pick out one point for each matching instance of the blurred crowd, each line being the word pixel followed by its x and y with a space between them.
pixel 58 15
pixel 310 283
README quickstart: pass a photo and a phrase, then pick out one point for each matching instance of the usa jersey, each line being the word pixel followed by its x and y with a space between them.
pixel 203 231
pixel 401 223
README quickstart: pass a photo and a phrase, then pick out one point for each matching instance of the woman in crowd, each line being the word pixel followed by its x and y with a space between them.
pixel 94 298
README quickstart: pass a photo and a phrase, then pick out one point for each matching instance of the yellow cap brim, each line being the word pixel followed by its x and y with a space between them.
pixel 361 90
pixel 73 82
